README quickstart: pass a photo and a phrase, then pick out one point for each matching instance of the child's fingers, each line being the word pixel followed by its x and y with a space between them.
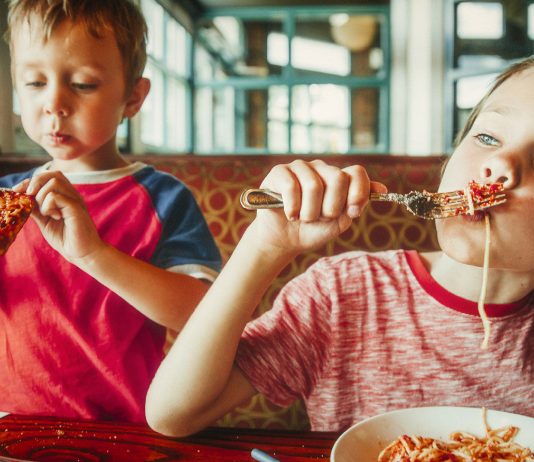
pixel 312 188
pixel 42 220
pixel 282 180
pixel 48 182
pixel 53 192
pixel 358 191
pixel 22 186
pixel 335 187
pixel 51 205
pixel 55 178
pixel 38 181
pixel 378 187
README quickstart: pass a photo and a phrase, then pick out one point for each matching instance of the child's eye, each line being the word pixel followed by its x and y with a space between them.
pixel 486 139
pixel 35 84
pixel 84 86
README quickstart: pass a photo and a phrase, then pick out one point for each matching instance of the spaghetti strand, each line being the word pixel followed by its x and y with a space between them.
pixel 483 289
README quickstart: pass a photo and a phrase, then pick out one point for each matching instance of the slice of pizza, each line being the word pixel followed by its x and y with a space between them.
pixel 15 208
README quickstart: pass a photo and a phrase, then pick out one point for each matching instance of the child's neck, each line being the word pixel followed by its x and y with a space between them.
pixel 89 163
pixel 465 280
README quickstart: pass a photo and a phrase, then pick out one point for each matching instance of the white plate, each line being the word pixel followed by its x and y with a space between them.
pixel 364 441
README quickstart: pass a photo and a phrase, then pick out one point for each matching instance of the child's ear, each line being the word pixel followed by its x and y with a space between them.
pixel 137 97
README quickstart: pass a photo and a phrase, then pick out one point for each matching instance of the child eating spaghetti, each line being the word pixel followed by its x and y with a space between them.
pixel 360 333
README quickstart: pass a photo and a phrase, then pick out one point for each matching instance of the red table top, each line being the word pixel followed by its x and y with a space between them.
pixel 54 440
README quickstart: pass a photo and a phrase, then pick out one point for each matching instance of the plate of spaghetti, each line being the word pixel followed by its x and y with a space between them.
pixel 438 434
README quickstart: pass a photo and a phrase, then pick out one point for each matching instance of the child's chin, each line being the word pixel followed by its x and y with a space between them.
pixel 462 249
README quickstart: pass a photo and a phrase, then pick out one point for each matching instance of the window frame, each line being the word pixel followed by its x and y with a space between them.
pixel 168 74
pixel 289 78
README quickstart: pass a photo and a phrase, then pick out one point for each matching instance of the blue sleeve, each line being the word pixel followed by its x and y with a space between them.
pixel 186 238
pixel 12 179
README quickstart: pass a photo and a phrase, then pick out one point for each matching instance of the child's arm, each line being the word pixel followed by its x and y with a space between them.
pixel 166 297
pixel 198 381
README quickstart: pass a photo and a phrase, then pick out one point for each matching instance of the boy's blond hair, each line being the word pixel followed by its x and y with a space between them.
pixel 122 17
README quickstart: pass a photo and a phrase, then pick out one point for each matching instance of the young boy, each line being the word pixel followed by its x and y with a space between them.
pixel 360 334
pixel 116 251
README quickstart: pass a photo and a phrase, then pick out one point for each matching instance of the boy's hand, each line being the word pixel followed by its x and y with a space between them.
pixel 61 215
pixel 320 202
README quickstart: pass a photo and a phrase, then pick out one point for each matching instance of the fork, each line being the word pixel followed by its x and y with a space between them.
pixel 423 204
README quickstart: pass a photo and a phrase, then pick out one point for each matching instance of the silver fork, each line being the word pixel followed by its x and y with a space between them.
pixel 423 204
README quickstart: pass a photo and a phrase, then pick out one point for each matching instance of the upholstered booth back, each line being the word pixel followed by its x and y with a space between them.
pixel 217 182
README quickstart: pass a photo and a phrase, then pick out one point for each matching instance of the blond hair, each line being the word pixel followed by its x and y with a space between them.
pixel 122 17
pixel 515 68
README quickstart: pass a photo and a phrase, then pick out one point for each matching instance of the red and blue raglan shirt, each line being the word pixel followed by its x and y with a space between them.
pixel 69 346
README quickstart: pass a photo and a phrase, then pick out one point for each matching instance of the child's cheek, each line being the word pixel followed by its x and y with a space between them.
pixel 457 173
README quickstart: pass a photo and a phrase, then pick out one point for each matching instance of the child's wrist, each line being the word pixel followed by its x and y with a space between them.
pixel 94 259
pixel 263 252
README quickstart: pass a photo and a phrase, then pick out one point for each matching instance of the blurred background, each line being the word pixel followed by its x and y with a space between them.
pixel 308 77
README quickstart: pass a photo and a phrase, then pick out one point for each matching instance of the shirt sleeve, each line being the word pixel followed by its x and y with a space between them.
pixel 283 351
pixel 186 244
pixel 8 181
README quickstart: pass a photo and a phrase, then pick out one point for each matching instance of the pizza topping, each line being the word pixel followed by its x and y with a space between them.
pixel 15 208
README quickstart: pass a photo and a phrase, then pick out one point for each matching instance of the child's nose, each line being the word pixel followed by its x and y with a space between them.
pixel 502 168
pixel 55 103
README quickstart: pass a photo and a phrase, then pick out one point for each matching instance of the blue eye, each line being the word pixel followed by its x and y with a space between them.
pixel 486 139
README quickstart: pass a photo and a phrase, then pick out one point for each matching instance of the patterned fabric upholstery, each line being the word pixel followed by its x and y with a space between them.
pixel 217 182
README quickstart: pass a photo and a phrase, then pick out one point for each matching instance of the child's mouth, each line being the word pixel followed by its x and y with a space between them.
pixel 58 138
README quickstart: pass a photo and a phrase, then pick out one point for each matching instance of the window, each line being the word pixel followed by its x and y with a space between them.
pixel 531 21
pixel 482 20
pixel 484 37
pixel 164 115
pixel 305 80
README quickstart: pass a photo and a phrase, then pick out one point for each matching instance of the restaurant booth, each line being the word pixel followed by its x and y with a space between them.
pixel 393 107
pixel 217 183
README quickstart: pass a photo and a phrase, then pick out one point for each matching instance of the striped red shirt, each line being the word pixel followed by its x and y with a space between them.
pixel 359 334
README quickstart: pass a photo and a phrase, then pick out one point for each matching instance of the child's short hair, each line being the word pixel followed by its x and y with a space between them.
pixel 122 17
pixel 515 68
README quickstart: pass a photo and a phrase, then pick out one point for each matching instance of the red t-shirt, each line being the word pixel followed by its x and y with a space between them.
pixel 69 346
pixel 360 334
